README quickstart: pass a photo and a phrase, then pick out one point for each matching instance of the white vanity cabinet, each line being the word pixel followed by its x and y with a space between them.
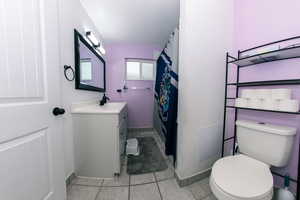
pixel 99 140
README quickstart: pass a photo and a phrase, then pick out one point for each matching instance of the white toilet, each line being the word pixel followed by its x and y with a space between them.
pixel 247 176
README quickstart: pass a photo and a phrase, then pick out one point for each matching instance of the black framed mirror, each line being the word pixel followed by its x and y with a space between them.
pixel 89 66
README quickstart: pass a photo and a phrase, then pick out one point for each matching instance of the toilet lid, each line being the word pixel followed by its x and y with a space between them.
pixel 243 177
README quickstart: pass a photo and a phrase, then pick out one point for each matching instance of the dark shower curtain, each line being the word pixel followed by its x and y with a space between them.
pixel 166 96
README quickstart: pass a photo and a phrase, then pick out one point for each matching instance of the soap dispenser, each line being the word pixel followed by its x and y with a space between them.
pixel 104 100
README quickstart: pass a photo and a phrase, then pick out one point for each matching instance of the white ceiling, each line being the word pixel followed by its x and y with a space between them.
pixel 134 21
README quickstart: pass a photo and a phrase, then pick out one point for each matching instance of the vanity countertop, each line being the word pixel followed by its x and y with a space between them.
pixel 108 108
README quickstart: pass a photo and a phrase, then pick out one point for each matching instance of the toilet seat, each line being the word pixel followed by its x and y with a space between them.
pixel 241 178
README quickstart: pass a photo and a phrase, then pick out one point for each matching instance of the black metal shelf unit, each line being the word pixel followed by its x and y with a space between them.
pixel 267 83
pixel 274 111
pixel 289 52
pixel 276 55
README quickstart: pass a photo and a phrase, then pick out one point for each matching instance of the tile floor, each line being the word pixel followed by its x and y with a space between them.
pixel 153 186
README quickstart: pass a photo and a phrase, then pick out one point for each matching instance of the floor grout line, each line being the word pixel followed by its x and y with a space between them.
pixel 129 183
pixel 114 186
pixel 129 186
pixel 137 184
pixel 158 186
pixel 100 188
pixel 95 186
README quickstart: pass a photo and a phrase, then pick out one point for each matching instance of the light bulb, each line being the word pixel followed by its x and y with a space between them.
pixel 92 38
pixel 102 50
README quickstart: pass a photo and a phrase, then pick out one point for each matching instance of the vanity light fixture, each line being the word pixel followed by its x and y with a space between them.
pixel 96 44
pixel 92 38
pixel 101 49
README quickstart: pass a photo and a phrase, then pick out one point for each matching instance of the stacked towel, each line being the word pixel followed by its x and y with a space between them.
pixel 268 99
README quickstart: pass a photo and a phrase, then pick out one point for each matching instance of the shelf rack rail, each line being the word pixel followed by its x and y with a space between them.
pixel 290 52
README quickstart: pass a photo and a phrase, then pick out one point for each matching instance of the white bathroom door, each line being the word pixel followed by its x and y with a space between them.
pixel 31 156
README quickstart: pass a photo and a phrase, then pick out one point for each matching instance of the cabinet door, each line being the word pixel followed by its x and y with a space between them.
pixel 123 136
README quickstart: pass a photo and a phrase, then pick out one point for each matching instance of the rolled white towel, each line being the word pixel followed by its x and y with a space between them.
pixel 241 102
pixel 264 93
pixel 255 103
pixel 289 105
pixel 281 94
pixel 269 104
pixel 249 94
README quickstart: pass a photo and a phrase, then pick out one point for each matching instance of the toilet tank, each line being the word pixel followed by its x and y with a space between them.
pixel 268 143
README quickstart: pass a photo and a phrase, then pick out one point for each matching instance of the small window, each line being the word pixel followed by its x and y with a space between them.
pixel 133 70
pixel 139 69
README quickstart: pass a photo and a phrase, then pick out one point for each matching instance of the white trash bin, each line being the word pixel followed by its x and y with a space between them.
pixel 132 147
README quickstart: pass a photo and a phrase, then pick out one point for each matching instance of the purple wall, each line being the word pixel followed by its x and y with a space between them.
pixel 260 22
pixel 140 102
